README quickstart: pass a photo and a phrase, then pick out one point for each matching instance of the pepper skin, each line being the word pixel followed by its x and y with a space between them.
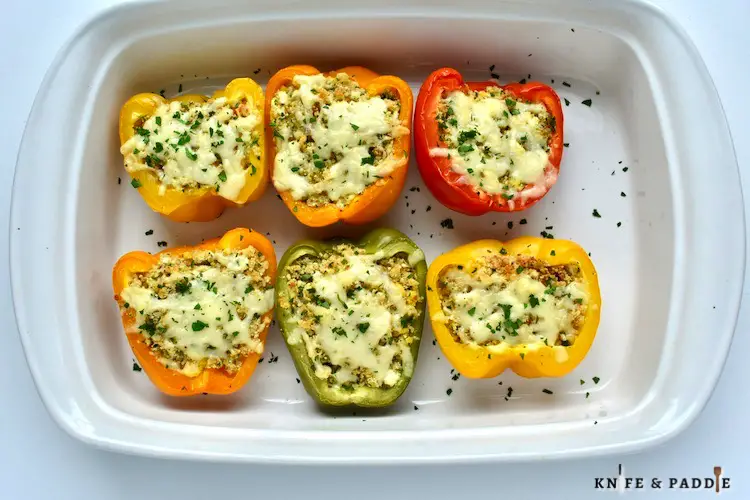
pixel 389 242
pixel 377 198
pixel 204 203
pixel 528 361
pixel 210 380
pixel 446 184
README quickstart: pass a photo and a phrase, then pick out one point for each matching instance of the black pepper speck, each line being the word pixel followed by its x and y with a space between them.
pixel 446 223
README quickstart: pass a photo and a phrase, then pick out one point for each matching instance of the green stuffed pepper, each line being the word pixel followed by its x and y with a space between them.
pixel 351 313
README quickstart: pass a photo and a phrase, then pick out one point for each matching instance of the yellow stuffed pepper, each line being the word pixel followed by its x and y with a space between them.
pixel 530 304
pixel 193 156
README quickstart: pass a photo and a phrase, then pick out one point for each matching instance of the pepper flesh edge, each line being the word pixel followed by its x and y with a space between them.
pixel 210 380
pixel 378 197
pixel 474 361
pixel 388 240
pixel 196 204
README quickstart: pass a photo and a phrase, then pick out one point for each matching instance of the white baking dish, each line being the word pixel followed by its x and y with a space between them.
pixel 671 275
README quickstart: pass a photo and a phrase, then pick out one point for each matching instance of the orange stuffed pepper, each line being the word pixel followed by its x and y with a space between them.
pixel 530 304
pixel 197 317
pixel 338 142
pixel 193 156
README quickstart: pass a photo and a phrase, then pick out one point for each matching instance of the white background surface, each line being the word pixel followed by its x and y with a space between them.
pixel 37 460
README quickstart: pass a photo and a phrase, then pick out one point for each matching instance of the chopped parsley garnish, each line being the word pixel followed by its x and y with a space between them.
pixel 446 223
pixel 190 154
pixel 136 183
pixel 472 311
pixel 182 286
pixel 533 301
pixel 362 327
pixel 465 135
pixel 596 214
pixel 199 325
pixel 223 176
pixel 148 326
pixel 465 148
pixel 586 102
pixel 368 160
pixel 136 367
pixel 355 127
pixel 596 380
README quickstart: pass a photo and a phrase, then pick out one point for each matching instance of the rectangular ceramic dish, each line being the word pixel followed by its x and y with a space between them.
pixel 652 154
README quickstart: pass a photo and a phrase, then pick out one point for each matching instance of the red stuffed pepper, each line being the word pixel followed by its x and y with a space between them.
pixel 484 147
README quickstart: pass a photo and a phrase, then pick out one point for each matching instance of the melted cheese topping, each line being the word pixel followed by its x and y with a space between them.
pixel 497 143
pixel 514 309
pixel 197 316
pixel 192 145
pixel 333 140
pixel 361 316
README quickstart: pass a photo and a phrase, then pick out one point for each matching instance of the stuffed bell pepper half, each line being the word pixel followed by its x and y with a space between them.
pixel 530 304
pixel 484 147
pixel 351 314
pixel 338 142
pixel 197 317
pixel 191 157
